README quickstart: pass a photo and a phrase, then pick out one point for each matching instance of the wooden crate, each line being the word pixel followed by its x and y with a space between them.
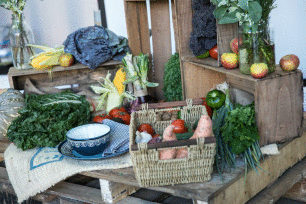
pixel 139 33
pixel 77 74
pixel 278 97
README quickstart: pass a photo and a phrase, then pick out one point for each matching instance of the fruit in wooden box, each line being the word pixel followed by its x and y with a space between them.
pixel 213 52
pixel 66 60
pixel 229 60
pixel 289 62
pixel 259 70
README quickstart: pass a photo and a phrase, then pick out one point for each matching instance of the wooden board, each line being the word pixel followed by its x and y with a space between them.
pixel 161 38
pixel 298 191
pixel 137 26
pixel 272 193
pixel 279 108
pixel 233 188
pixel 225 33
pixel 198 81
pixel 76 74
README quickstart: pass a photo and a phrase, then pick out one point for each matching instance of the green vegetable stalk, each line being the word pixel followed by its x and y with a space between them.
pixel 137 68
pixel 46 119
pixel 241 134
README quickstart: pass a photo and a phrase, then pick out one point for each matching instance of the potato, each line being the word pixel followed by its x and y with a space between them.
pixel 204 128
pixel 168 135
pixel 182 153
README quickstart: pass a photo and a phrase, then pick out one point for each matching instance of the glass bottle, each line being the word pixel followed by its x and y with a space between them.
pixel 256 45
pixel 20 36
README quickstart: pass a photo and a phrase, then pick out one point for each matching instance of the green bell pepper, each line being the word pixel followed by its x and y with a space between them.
pixel 215 99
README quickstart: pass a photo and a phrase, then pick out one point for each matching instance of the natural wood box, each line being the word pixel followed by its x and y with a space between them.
pixel 278 97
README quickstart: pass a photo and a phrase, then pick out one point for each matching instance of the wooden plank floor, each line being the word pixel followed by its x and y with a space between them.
pixel 234 188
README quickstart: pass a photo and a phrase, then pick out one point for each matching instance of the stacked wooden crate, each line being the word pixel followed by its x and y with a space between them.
pixel 278 97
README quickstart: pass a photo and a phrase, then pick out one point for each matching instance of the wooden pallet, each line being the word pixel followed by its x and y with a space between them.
pixel 76 74
pixel 234 188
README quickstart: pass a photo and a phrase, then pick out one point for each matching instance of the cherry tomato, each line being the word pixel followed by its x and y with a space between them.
pixel 124 116
pixel 146 128
pixel 208 109
pixel 115 111
pixel 213 52
pixel 100 118
pixel 179 126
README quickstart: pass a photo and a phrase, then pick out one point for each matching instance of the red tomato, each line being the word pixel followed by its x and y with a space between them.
pixel 115 111
pixel 146 128
pixel 100 118
pixel 213 52
pixel 124 116
pixel 179 126
pixel 208 109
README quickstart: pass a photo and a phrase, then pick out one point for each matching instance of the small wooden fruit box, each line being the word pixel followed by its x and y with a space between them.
pixel 149 169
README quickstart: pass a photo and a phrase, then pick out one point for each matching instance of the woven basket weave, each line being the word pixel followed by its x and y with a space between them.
pixel 150 171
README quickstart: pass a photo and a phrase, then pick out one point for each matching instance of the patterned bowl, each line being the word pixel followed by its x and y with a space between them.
pixel 90 139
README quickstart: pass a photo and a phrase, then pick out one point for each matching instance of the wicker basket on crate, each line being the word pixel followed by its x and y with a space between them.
pixel 149 170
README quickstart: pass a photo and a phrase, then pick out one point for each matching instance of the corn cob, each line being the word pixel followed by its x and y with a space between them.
pixel 120 77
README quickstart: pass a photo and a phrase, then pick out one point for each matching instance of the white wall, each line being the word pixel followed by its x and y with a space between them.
pixel 115 16
pixel 289 23
pixel 52 20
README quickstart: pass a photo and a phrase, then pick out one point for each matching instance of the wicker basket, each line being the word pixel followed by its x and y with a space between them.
pixel 150 171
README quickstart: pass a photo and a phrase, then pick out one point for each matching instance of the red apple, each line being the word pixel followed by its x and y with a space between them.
pixel 229 60
pixel 213 52
pixel 259 70
pixel 289 62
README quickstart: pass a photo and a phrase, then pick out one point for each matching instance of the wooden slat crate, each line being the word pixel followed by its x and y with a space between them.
pixel 76 74
pixel 278 97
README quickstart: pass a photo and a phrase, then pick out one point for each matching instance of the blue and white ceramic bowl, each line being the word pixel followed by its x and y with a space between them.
pixel 90 139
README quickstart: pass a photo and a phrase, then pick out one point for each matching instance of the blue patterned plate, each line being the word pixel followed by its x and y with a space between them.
pixel 66 150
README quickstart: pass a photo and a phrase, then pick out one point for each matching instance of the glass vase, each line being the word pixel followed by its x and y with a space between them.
pixel 20 36
pixel 256 45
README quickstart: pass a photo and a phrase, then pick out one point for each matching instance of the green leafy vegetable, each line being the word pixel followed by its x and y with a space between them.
pixel 137 68
pixel 46 118
pixel 172 79
pixel 224 156
pixel 240 133
pixel 240 130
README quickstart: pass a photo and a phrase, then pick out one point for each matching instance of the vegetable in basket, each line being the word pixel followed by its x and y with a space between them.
pixel 137 68
pixel 111 96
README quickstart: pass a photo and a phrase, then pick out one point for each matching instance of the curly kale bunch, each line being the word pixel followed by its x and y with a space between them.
pixel 172 79
pixel 46 119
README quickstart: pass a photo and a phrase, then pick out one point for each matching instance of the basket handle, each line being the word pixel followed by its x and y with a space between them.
pixel 189 102
pixel 142 146
pixel 145 106
pixel 201 141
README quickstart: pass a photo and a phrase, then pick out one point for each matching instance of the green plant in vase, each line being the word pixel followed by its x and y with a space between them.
pixel 20 34
pixel 255 43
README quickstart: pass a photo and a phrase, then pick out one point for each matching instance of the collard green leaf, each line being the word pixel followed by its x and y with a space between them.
pixel 243 4
pixel 255 11
pixel 219 12
pixel 228 18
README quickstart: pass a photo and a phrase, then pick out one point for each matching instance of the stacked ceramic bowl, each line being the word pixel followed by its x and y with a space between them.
pixel 90 139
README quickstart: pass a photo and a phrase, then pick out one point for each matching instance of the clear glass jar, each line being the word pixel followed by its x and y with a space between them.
pixel 20 36
pixel 256 45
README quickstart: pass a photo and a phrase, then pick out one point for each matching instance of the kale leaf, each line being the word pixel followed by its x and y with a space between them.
pixel 46 119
